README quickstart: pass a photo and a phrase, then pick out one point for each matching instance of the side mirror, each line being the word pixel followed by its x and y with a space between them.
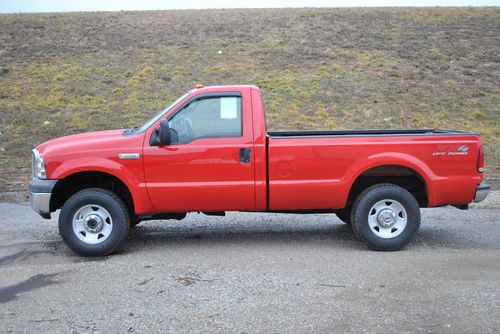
pixel 161 136
pixel 165 137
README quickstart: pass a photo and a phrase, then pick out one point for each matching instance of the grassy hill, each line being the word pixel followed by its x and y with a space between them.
pixel 318 68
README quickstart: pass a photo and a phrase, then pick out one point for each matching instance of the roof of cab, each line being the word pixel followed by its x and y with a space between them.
pixel 222 88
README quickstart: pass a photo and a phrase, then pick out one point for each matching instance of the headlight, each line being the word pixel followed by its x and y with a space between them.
pixel 38 166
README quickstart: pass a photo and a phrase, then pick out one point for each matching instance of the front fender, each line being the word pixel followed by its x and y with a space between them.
pixel 130 172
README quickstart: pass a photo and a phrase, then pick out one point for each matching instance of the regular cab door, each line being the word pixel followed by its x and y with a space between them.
pixel 208 166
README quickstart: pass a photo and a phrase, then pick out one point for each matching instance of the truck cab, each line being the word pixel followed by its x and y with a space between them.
pixel 210 152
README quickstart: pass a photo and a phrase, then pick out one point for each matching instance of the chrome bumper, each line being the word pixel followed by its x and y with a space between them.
pixel 40 202
pixel 481 192
pixel 40 192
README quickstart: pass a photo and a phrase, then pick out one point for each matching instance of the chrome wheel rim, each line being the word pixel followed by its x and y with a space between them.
pixel 387 218
pixel 92 224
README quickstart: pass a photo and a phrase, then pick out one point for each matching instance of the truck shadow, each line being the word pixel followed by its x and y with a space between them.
pixel 334 234
pixel 228 233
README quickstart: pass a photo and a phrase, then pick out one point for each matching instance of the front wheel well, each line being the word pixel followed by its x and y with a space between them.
pixel 399 175
pixel 74 183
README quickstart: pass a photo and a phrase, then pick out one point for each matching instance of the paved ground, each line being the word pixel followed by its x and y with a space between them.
pixel 254 273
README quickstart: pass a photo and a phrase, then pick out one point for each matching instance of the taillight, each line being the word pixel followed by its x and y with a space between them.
pixel 480 159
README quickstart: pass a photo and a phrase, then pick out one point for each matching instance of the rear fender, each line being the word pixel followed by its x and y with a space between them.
pixel 397 159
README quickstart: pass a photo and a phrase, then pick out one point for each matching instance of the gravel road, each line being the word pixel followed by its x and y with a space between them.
pixel 254 273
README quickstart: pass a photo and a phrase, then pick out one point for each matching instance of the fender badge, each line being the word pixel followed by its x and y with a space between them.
pixel 461 150
pixel 129 156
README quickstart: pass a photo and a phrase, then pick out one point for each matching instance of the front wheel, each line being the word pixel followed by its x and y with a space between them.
pixel 386 217
pixel 94 222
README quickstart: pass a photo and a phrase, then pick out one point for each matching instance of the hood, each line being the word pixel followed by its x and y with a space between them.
pixel 81 142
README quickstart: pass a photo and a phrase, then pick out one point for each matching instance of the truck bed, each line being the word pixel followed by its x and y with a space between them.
pixel 316 169
pixel 379 132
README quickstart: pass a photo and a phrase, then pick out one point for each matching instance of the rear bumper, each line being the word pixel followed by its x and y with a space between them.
pixel 482 191
pixel 40 192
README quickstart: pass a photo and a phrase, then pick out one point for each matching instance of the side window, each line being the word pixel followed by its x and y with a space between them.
pixel 214 117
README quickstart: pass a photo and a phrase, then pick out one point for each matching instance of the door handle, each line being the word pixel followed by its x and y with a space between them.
pixel 245 155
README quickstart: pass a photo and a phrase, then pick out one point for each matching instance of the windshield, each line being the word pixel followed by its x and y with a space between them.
pixel 153 120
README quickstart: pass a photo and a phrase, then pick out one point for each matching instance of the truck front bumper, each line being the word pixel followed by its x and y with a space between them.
pixel 40 192
pixel 481 192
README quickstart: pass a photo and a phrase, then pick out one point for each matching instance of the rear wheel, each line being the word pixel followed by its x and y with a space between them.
pixel 386 217
pixel 94 222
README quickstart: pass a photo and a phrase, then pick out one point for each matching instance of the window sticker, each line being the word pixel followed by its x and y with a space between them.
pixel 229 108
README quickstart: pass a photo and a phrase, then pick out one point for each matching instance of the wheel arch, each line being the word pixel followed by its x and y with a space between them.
pixel 131 174
pixel 400 169
pixel 72 183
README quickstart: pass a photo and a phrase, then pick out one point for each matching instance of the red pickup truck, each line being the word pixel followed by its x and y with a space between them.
pixel 210 152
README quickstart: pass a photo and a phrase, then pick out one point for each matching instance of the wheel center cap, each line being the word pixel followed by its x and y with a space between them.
pixel 386 218
pixel 94 223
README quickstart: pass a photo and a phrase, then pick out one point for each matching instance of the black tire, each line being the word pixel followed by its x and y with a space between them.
pixel 113 205
pixel 344 214
pixel 388 195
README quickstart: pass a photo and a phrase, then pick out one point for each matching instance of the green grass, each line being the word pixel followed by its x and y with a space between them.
pixel 318 69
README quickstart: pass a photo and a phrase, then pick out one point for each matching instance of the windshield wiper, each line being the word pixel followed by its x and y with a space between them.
pixel 131 130
pixel 134 128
